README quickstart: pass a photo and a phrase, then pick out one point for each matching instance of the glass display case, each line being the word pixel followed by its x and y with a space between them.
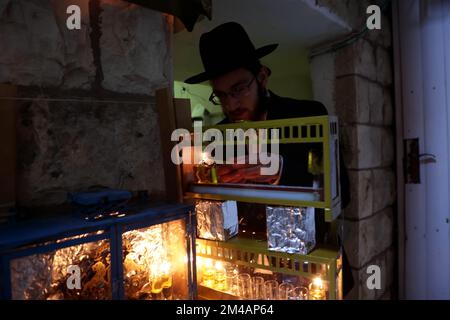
pixel 309 146
pixel 244 269
pixel 144 254
pixel 291 265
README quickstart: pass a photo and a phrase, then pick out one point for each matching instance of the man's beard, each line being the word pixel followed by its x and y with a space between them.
pixel 261 108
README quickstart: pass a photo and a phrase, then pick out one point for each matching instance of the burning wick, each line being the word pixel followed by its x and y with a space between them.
pixel 165 268
pixel 317 290
pixel 161 280
pixel 318 283
pixel 220 279
pixel 219 265
pixel 209 274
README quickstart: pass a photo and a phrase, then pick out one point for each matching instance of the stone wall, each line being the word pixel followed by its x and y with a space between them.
pixel 85 98
pixel 359 90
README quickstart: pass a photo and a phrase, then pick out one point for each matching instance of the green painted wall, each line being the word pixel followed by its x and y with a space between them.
pixel 200 105
pixel 291 74
pixel 290 78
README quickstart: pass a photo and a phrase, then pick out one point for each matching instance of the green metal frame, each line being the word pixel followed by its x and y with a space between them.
pixel 251 253
pixel 297 130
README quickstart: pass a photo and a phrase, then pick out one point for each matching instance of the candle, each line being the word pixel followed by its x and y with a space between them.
pixel 161 279
pixel 317 289
pixel 214 175
pixel 156 281
pixel 231 278
pixel 208 274
pixel 220 280
pixel 166 280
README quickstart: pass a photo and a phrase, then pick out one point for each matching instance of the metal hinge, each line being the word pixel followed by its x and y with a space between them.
pixel 413 159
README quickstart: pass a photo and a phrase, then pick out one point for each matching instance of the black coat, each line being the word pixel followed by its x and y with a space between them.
pixel 295 156
pixel 285 108
pixel 295 172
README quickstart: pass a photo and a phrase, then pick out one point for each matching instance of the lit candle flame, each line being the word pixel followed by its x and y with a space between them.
pixel 165 267
pixel 219 265
pixel 318 283
pixel 154 270
pixel 208 263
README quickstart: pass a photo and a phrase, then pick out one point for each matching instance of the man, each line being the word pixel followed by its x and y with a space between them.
pixel 239 84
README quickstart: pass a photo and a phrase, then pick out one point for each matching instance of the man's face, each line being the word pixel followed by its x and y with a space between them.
pixel 244 104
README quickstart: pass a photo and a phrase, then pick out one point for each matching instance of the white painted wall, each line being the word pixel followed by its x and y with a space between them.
pixel 323 78
pixel 424 33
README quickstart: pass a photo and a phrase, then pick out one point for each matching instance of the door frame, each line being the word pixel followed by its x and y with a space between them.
pixel 399 138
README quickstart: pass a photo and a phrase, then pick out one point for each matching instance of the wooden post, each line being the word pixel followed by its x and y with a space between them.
pixel 7 150
pixel 184 120
pixel 173 114
pixel 183 113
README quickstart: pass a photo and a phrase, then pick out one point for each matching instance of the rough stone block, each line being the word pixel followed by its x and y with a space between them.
pixel 384 188
pixel 384 66
pixel 382 37
pixel 365 239
pixel 366 147
pixel 361 191
pixel 376 102
pixel 386 263
pixel 359 100
pixel 79 69
pixel 346 100
pixel 358 58
pixel 348 143
pixel 32 47
pixel 67 146
pixel 387 147
pixel 387 295
pixel 388 108
pixel 371 191
pixel 40 50
pixel 134 48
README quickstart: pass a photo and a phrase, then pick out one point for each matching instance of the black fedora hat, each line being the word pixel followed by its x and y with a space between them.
pixel 227 48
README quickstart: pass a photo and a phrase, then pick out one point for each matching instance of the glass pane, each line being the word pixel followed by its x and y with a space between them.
pixel 219 280
pixel 155 262
pixel 76 272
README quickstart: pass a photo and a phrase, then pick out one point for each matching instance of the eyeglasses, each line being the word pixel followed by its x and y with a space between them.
pixel 237 92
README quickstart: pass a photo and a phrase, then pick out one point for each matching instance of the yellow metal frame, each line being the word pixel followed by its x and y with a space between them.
pixel 296 130
pixel 246 252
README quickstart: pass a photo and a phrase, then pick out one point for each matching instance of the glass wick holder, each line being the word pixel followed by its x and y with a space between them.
pixel 161 282
pixel 205 171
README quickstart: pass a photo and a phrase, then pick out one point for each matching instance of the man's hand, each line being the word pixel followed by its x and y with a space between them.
pixel 246 173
